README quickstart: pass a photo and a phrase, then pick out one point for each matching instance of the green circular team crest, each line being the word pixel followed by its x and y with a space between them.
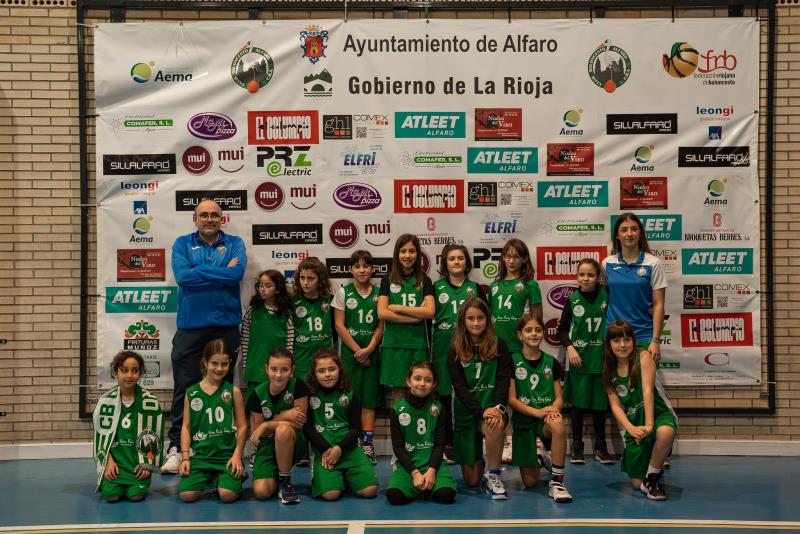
pixel 148 444
pixel 252 68
pixel 609 67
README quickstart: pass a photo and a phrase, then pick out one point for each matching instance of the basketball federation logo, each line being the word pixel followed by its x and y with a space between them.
pixel 681 60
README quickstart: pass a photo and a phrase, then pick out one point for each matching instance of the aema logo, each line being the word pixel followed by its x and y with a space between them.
pixel 659 227
pixel 144 72
pixel 573 193
pixel 717 261
pixel 506 160
pixel 419 124
pixel 161 299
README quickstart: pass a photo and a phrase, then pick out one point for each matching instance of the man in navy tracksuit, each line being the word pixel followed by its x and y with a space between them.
pixel 208 266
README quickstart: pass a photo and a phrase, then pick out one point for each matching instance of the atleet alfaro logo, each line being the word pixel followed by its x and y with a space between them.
pixel 135 164
pixel 252 68
pixel 573 193
pixel 505 160
pixel 420 124
pixel 717 261
pixel 609 66
pixel 160 299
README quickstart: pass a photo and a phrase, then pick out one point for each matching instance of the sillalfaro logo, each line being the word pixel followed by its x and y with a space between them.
pixel 507 160
pixel 162 299
pixel 609 67
pixel 419 124
pixel 717 261
pixel 573 193
pixel 659 227
pixel 252 68
pixel 723 156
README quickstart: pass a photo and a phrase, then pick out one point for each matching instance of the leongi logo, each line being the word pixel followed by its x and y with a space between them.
pixel 343 233
pixel 269 196
pixel 196 160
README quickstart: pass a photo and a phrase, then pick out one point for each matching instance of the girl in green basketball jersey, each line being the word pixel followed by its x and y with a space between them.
pixel 513 292
pixel 450 292
pixel 641 408
pixel 129 433
pixel 278 410
pixel 360 331
pixel 266 325
pixel 535 397
pixel 214 430
pixel 580 331
pixel 405 301
pixel 480 367
pixel 333 427
pixel 312 316
pixel 418 439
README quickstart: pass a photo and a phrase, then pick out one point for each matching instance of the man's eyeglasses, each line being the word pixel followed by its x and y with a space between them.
pixel 206 216
pixel 265 286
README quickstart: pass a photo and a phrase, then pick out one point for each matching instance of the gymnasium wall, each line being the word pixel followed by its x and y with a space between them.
pixel 40 197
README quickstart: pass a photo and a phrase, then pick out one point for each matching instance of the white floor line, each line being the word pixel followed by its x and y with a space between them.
pixel 356 527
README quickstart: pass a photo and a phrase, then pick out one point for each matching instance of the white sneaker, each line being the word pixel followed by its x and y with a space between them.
pixel 494 487
pixel 173 462
pixel 543 455
pixel 507 448
pixel 558 491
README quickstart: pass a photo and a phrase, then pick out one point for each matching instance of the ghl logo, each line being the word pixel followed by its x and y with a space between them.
pixel 252 68
pixel 609 67
pixel 142 72
pixel 482 194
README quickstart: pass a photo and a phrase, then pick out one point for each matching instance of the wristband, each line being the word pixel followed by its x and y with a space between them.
pixel 185 460
pixel 656 340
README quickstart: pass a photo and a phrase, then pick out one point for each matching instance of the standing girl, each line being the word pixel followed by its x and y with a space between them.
pixel 312 316
pixel 580 331
pixel 214 430
pixel 405 301
pixel 640 407
pixel 513 292
pixel 128 433
pixel 333 427
pixel 418 431
pixel 360 331
pixel 480 366
pixel 637 284
pixel 450 292
pixel 277 414
pixel 535 397
pixel 266 325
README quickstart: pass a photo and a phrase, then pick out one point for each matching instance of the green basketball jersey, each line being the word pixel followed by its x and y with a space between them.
pixel 360 316
pixel 267 332
pixel 533 382
pixel 509 300
pixel 330 414
pixel 124 447
pixel 270 409
pixel 312 329
pixel 586 331
pixel 211 423
pixel 409 336
pixel 419 429
pixel 479 377
pixel 632 399
pixel 448 301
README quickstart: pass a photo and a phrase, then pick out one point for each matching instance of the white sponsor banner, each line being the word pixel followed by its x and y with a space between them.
pixel 457 131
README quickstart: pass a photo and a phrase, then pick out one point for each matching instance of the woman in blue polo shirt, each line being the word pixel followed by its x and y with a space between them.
pixel 636 284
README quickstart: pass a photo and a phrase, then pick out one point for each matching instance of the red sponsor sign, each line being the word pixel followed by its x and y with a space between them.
pixel 429 196
pixel 717 330
pixel 140 265
pixel 561 263
pixel 498 124
pixel 643 193
pixel 570 159
pixel 283 127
